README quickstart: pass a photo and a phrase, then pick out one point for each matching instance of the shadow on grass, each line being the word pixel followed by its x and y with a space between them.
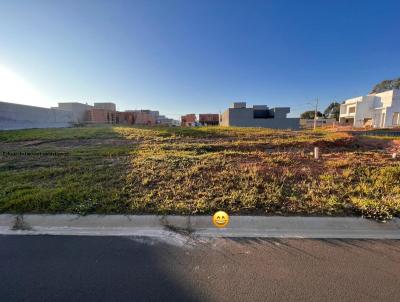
pixel 83 174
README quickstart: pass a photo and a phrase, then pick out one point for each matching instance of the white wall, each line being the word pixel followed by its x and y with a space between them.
pixel 393 109
pixel 364 110
pixel 106 106
pixel 78 110
pixel 15 116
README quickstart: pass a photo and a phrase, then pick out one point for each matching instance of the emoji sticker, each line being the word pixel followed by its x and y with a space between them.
pixel 220 219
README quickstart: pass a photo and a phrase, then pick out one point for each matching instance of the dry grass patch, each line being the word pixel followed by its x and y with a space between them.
pixel 196 171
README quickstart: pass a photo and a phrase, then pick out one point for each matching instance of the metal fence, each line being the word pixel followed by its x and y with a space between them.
pixel 379 133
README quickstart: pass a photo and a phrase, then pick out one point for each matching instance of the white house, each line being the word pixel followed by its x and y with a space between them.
pixel 379 110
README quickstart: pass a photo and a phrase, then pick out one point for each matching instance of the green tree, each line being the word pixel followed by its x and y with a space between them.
pixel 310 114
pixel 332 111
pixel 386 85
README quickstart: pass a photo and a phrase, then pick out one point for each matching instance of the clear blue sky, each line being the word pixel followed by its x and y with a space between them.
pixel 199 56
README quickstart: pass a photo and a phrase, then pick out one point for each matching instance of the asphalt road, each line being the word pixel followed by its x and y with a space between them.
pixel 73 268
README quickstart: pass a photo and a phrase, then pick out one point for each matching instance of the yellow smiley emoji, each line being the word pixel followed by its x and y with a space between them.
pixel 220 219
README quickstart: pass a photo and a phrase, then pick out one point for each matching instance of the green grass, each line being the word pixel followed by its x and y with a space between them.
pixel 57 134
pixel 194 171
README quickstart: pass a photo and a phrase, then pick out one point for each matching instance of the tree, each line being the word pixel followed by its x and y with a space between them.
pixel 386 85
pixel 310 114
pixel 332 111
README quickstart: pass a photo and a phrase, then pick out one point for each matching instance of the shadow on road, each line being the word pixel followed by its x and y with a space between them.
pixel 66 268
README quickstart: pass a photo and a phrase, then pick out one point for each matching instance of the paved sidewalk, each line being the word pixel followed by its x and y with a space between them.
pixel 160 226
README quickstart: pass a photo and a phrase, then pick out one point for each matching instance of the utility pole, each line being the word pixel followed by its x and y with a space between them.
pixel 315 115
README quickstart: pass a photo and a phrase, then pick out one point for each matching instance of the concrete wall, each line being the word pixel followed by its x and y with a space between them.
pixel 280 112
pixel 321 122
pixel 101 116
pixel 105 106
pixel 386 98
pixel 391 99
pixel 243 117
pixel 224 121
pixel 144 118
pixel 79 110
pixel 15 116
pixel 364 111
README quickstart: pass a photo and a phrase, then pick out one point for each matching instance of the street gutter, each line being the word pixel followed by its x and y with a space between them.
pixel 199 226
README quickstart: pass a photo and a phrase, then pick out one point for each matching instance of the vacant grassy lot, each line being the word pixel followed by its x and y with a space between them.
pixel 197 171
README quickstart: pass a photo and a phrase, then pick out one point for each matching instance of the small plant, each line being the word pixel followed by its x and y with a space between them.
pixel 372 209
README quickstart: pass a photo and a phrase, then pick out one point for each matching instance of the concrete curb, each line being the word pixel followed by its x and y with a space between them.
pixel 160 226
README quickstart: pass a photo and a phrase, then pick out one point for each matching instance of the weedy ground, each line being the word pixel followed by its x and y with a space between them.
pixel 197 171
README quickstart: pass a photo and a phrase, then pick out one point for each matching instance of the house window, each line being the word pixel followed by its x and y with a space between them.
pixel 264 113
pixel 352 109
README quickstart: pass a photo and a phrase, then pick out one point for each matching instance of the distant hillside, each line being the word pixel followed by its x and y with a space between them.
pixel 386 85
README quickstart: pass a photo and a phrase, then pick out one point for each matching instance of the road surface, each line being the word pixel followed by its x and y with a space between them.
pixel 83 268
